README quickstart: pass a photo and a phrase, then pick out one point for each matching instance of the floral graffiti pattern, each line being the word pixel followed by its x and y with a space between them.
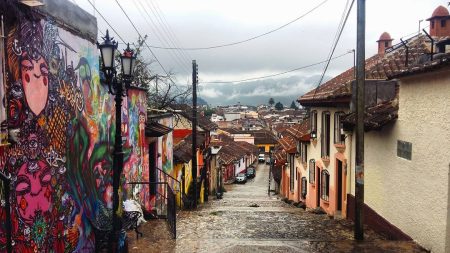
pixel 61 123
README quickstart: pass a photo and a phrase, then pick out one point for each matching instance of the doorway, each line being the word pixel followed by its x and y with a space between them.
pixel 339 185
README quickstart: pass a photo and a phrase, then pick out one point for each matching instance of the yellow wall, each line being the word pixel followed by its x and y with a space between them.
pixel 266 147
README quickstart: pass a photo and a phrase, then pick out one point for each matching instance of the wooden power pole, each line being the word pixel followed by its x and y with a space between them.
pixel 194 129
pixel 360 83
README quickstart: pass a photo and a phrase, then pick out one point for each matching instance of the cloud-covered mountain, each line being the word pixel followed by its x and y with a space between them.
pixel 284 90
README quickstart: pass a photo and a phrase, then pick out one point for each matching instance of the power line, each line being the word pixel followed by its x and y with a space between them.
pixel 341 29
pixel 145 42
pixel 160 37
pixel 106 21
pixel 246 40
pixel 278 74
pixel 165 25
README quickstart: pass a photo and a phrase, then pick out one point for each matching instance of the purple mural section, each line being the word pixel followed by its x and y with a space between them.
pixel 61 121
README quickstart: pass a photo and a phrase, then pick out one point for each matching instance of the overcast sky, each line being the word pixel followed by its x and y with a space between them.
pixel 197 23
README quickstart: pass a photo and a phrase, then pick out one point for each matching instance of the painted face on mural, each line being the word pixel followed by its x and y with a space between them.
pixel 33 190
pixel 34 75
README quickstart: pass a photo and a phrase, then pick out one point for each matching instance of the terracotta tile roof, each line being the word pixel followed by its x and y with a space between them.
pixel 280 156
pixel 264 137
pixel 250 148
pixel 338 87
pixel 394 62
pixel 182 152
pixel 203 122
pixel 439 61
pixel 232 151
pixel 440 11
pixel 299 131
pixel 375 117
pixel 288 143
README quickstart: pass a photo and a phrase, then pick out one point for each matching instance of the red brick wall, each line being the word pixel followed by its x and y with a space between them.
pixel 438 30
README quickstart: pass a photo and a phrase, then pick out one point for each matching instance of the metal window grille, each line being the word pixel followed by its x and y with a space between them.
pixel 325 185
pixel 304 187
pixel 339 136
pixel 325 135
pixel 312 171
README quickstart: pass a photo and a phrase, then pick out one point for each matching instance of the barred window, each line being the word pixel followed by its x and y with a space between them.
pixel 312 171
pixel 339 137
pixel 325 188
pixel 304 187
pixel 325 135
pixel 292 172
pixel 304 152
pixel 314 122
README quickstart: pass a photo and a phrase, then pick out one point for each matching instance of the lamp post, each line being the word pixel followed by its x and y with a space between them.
pixel 116 87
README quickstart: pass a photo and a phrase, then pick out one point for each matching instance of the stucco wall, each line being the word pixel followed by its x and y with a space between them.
pixel 314 152
pixel 413 194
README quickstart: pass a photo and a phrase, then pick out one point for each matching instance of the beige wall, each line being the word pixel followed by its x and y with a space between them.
pixel 413 194
pixel 314 152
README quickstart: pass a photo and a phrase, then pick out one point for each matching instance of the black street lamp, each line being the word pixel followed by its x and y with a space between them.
pixel 116 88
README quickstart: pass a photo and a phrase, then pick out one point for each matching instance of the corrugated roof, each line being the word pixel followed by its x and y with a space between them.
pixel 154 129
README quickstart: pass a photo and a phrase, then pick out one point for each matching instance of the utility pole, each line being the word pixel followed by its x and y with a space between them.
pixel 194 129
pixel 360 84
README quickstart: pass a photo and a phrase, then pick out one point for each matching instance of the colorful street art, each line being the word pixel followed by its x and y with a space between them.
pixel 62 122
pixel 137 169
pixel 165 146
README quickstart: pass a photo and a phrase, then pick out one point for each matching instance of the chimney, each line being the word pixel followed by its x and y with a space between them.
pixel 384 42
pixel 440 22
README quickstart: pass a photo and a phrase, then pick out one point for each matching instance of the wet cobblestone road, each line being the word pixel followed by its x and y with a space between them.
pixel 232 225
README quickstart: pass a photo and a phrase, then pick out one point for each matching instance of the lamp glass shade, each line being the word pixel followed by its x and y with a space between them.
pixel 107 52
pixel 126 65
pixel 133 65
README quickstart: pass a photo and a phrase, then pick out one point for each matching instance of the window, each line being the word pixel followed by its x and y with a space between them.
pixel 299 148
pixel 313 124
pixel 312 171
pixel 443 23
pixel 404 149
pixel 432 24
pixel 325 135
pixel 304 152
pixel 386 44
pixel 304 187
pixel 291 168
pixel 325 187
pixel 339 136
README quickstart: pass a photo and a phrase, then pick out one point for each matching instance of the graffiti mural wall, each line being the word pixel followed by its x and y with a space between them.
pixel 62 122
pixel 165 147
pixel 137 168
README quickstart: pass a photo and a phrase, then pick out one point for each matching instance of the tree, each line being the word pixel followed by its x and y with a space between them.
pixel 162 91
pixel 294 106
pixel 279 106
pixel 271 101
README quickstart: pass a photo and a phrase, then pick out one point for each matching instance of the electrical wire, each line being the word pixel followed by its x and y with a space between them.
pixel 106 21
pixel 145 42
pixel 166 26
pixel 142 11
pixel 278 74
pixel 341 29
pixel 246 40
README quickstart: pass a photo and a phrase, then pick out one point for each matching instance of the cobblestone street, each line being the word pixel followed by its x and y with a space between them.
pixel 248 220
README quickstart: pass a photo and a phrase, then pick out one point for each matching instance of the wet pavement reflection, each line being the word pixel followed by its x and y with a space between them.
pixel 248 220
